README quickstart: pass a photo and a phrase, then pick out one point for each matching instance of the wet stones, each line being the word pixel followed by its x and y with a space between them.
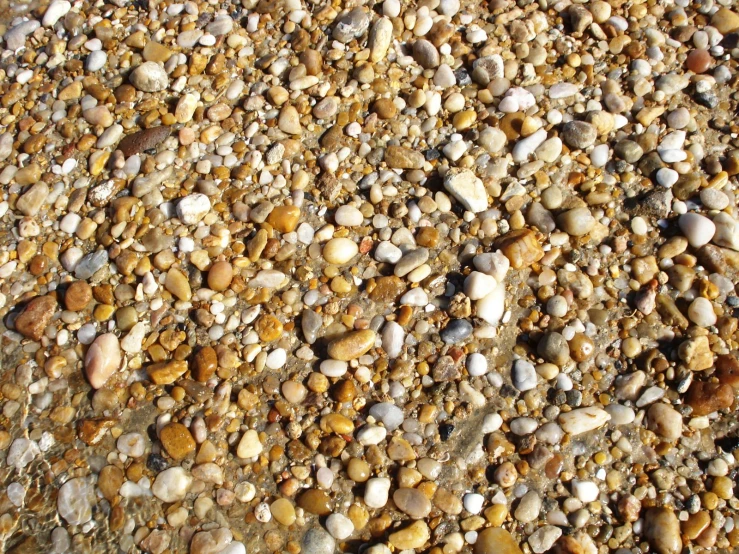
pixel 706 398
pixel 177 440
pixel 102 360
pixel 662 530
pixel 665 421
pixel 582 420
pixel 35 317
pixel 495 540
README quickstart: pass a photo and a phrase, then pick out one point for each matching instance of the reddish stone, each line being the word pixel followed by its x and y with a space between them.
pixel 727 370
pixel 706 398
pixel 32 322
pixel 698 61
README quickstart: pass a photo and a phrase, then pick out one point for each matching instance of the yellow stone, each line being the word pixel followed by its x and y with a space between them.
pixel 268 327
pixel 166 373
pixel 496 514
pixel 337 423
pixel 178 285
pixel 284 218
pixel 412 537
pixel 495 540
pixel 283 511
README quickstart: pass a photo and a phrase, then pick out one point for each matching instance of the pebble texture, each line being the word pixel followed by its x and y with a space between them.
pixel 317 277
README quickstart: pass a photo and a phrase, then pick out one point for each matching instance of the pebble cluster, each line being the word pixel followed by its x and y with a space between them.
pixel 440 276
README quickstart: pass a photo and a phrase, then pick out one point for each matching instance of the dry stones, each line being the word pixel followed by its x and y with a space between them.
pixel 578 134
pixel 352 345
pixel 467 189
pixel 149 77
pixel 662 531
pixel 399 157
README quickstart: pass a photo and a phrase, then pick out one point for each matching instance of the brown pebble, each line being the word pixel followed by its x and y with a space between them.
pixel 706 398
pixel 34 318
pixel 77 296
pixel 177 440
pixel 143 140
pixel 204 364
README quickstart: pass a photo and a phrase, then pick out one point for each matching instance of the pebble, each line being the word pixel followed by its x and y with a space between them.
pixel 698 229
pixel 73 501
pixel 149 77
pixel 352 345
pixel 412 502
pixel 665 421
pixel 376 492
pixel 583 420
pixel 340 251
pixel 578 134
pixel 467 189
pixel 193 208
pixel 171 485
pixel 102 360
pixel 249 445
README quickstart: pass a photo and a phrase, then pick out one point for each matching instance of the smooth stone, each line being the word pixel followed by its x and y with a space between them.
pixel 553 347
pixel 491 308
pixel 393 336
pixel 576 222
pixel 528 508
pixel 310 323
pixel 727 231
pixel 698 229
pixel 414 536
pixel 352 345
pixel 177 284
pixel 456 331
pixel 665 421
pixel 35 317
pixel 141 141
pixel 31 201
pixel 177 440
pixel 413 502
pixel 410 261
pixel 340 526
pixel 340 251
pixel 74 501
pixel 102 360
pixel 376 492
pixel 478 285
pixel 582 420
pixel 389 414
pixel 662 531
pixel 496 540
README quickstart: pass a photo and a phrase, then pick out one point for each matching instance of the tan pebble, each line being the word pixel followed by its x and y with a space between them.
pixel 352 345
pixel 283 511
pixel 220 276
pixel 178 285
